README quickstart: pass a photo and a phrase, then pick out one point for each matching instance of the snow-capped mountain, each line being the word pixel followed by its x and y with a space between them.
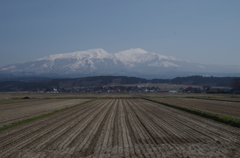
pixel 132 62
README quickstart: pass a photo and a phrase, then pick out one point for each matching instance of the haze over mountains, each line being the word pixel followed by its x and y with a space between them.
pixel 132 62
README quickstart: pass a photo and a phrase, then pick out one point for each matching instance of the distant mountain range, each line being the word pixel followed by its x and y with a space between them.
pixel 35 84
pixel 132 62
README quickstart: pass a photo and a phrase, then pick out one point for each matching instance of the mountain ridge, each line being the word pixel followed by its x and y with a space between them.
pixel 132 62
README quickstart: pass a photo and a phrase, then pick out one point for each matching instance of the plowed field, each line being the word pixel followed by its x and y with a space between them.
pixel 121 128
pixel 213 106
pixel 18 111
pixel 222 99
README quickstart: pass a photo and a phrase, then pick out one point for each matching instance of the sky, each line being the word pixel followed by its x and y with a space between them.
pixel 203 31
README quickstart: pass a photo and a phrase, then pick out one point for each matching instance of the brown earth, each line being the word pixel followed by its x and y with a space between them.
pixel 222 99
pixel 215 96
pixel 62 95
pixel 19 111
pixel 218 107
pixel 121 128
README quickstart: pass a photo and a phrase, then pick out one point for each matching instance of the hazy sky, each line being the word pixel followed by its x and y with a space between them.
pixel 205 31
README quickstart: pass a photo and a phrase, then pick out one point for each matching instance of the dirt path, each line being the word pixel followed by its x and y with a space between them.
pixel 121 128
pixel 19 111
pixel 218 107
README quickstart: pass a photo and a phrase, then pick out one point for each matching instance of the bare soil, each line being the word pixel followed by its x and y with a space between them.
pixel 218 107
pixel 223 99
pixel 62 95
pixel 120 128
pixel 18 111
pixel 214 96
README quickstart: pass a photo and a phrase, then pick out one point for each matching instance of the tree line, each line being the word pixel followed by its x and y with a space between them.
pixel 233 82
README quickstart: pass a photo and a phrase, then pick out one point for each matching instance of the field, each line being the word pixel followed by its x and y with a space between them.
pixel 231 97
pixel 221 99
pixel 17 111
pixel 121 128
pixel 4 96
pixel 230 108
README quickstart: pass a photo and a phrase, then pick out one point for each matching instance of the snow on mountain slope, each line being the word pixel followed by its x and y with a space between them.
pixel 133 56
pixel 79 55
pixel 99 62
pixel 79 59
pixel 140 55
pixel 128 58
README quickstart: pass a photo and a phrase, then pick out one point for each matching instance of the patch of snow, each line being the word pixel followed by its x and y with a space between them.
pixel 44 65
pixel 135 55
pixel 139 55
pixel 8 68
pixel 169 64
pixel 165 64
